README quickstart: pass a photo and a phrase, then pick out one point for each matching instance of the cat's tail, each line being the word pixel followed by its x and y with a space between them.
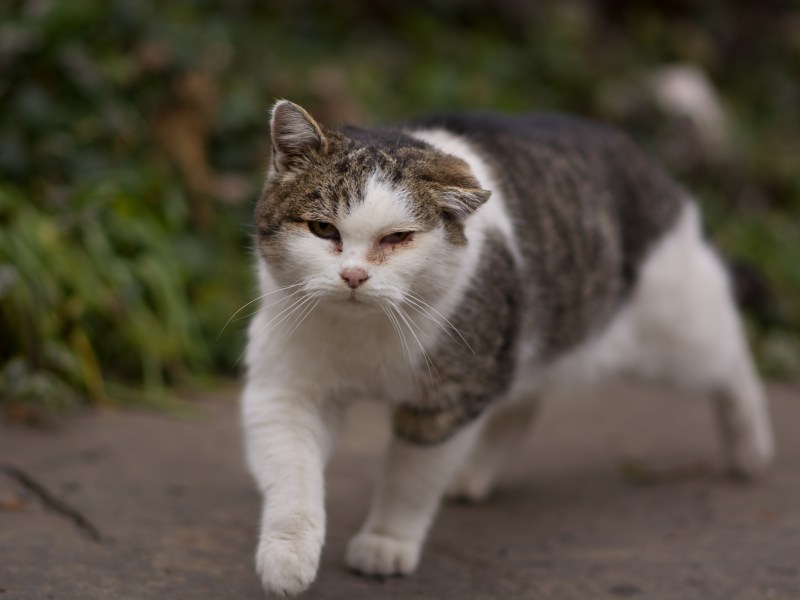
pixel 752 290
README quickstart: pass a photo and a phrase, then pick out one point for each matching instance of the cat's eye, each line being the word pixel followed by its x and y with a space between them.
pixel 397 237
pixel 323 229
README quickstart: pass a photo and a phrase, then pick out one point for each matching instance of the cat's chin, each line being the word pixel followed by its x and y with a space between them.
pixel 352 304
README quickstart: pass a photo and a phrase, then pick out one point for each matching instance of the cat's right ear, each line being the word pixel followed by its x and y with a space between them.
pixel 294 134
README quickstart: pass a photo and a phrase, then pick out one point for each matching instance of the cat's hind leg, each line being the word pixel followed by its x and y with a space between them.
pixel 504 431
pixel 689 333
pixel 744 421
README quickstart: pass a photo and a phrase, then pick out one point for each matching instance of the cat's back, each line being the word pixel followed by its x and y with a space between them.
pixel 535 151
pixel 587 206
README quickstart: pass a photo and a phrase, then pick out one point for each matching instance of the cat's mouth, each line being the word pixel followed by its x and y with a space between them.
pixel 355 298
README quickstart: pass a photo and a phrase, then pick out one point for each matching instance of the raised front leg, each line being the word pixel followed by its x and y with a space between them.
pixel 409 492
pixel 288 440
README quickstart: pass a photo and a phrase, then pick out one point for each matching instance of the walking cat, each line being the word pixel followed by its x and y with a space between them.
pixel 458 268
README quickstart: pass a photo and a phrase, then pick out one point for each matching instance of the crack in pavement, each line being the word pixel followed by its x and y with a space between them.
pixel 53 503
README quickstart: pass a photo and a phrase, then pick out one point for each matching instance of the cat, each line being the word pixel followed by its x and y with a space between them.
pixel 459 268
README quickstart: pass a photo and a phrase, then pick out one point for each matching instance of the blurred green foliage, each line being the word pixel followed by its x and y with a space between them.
pixel 133 136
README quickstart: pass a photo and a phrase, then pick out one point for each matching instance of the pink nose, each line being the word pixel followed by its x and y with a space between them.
pixel 354 276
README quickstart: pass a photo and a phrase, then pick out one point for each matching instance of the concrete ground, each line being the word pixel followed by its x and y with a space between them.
pixel 618 494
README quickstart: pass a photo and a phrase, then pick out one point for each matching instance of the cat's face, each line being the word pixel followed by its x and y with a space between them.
pixel 361 218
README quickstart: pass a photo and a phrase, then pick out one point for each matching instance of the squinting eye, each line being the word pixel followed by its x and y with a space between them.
pixel 323 229
pixel 397 237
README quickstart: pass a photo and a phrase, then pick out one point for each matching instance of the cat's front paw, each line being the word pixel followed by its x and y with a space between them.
pixel 287 565
pixel 374 554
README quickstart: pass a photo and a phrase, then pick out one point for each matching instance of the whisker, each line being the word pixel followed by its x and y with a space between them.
pixel 408 321
pixel 401 335
pixel 407 351
pixel 431 317
pixel 274 302
pixel 296 303
pixel 304 314
pixel 294 313
pixel 261 297
pixel 413 297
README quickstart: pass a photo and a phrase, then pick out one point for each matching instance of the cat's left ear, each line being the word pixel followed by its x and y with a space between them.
pixel 294 134
pixel 458 191
pixel 462 201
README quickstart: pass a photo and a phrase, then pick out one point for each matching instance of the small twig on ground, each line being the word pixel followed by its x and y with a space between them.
pixel 53 503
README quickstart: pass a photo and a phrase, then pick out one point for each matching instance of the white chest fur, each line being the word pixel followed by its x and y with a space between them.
pixel 350 357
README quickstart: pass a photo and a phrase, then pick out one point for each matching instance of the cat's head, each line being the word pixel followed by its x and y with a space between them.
pixel 362 215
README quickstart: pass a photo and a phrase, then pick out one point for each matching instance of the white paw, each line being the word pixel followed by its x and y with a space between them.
pixel 751 457
pixel 288 565
pixel 373 554
pixel 471 485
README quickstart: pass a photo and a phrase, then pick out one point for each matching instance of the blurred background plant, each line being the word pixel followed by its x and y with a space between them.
pixel 133 136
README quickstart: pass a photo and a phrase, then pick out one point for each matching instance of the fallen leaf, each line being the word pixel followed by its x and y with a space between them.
pixel 10 502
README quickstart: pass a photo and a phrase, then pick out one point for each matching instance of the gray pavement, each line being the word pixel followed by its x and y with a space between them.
pixel 618 494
